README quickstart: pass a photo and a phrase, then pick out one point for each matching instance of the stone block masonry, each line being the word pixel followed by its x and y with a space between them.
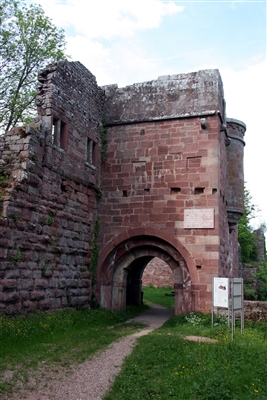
pixel 100 185
pixel 48 196
pixel 158 274
pixel 170 152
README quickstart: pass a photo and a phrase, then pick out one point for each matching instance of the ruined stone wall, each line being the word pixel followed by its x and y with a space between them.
pixel 48 199
pixel 68 93
pixel 261 247
pixel 255 310
pixel 169 96
pixel 158 274
pixel 165 155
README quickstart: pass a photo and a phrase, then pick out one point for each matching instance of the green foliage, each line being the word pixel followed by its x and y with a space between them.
pixel 104 141
pixel 49 219
pixel 261 276
pixel 164 365
pixel 162 296
pixel 28 42
pixel 95 251
pixel 5 179
pixel 17 258
pixel 44 267
pixel 249 292
pixel 246 238
pixel 98 193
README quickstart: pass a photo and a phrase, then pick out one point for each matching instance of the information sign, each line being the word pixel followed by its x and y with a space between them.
pixel 221 292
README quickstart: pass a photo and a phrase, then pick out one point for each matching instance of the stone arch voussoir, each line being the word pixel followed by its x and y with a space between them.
pixel 141 244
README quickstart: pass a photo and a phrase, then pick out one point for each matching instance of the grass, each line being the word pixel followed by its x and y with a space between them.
pixel 162 366
pixel 161 296
pixel 55 340
pixel 166 366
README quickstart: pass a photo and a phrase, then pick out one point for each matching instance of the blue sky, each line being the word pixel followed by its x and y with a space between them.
pixel 129 41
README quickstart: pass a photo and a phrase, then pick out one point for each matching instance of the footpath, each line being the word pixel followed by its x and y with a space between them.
pixel 93 378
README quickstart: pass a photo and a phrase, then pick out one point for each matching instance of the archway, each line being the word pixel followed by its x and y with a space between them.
pixel 119 275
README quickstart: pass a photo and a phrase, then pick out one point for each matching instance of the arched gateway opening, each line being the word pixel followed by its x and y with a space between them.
pixel 119 277
pixel 158 274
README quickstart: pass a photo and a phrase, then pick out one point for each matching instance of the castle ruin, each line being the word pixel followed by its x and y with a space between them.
pixel 109 178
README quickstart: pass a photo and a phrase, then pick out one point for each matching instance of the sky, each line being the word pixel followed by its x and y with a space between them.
pixel 131 41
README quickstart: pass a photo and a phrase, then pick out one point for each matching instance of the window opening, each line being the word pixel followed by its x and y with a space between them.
pixel 60 134
pixel 199 190
pixel 90 151
pixel 175 190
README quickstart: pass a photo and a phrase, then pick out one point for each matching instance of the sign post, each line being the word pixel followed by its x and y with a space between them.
pixel 237 302
pixel 228 293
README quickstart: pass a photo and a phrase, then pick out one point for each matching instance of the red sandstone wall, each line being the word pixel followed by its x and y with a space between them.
pixel 156 170
pixel 158 274
pixel 162 159
pixel 45 234
pixel 48 203
pixel 166 154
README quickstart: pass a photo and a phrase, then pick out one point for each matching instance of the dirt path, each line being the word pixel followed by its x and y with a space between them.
pixel 94 377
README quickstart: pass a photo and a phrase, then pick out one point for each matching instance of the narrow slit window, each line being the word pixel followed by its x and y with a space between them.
pixel 90 151
pixel 60 134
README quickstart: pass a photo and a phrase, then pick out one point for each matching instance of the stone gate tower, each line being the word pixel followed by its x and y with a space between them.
pixel 172 188
pixel 112 177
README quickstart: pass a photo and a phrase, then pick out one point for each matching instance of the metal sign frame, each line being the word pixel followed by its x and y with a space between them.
pixel 237 302
pixel 228 293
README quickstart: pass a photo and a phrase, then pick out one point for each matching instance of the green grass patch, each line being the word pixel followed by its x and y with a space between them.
pixel 166 366
pixel 58 339
pixel 161 296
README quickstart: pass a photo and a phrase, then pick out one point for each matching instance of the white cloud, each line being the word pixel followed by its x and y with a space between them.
pixel 107 19
pixel 119 63
pixel 100 34
pixel 91 53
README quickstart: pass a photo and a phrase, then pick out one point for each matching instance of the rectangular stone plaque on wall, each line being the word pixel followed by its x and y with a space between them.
pixel 199 218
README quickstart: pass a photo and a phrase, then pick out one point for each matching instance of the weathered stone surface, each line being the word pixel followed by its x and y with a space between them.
pixel 158 274
pixel 169 97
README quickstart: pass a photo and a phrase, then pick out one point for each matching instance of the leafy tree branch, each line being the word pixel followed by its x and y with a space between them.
pixel 28 42
pixel 246 238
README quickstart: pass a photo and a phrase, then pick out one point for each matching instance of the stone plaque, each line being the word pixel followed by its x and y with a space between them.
pixel 199 218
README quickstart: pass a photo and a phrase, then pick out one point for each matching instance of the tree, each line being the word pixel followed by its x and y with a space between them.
pixel 246 238
pixel 28 42
pixel 261 276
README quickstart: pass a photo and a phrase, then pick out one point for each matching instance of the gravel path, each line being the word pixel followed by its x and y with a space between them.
pixel 92 379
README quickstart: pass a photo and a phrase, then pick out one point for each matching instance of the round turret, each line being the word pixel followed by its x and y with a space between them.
pixel 235 174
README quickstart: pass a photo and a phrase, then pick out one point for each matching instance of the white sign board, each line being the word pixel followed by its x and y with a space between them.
pixel 199 218
pixel 221 292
